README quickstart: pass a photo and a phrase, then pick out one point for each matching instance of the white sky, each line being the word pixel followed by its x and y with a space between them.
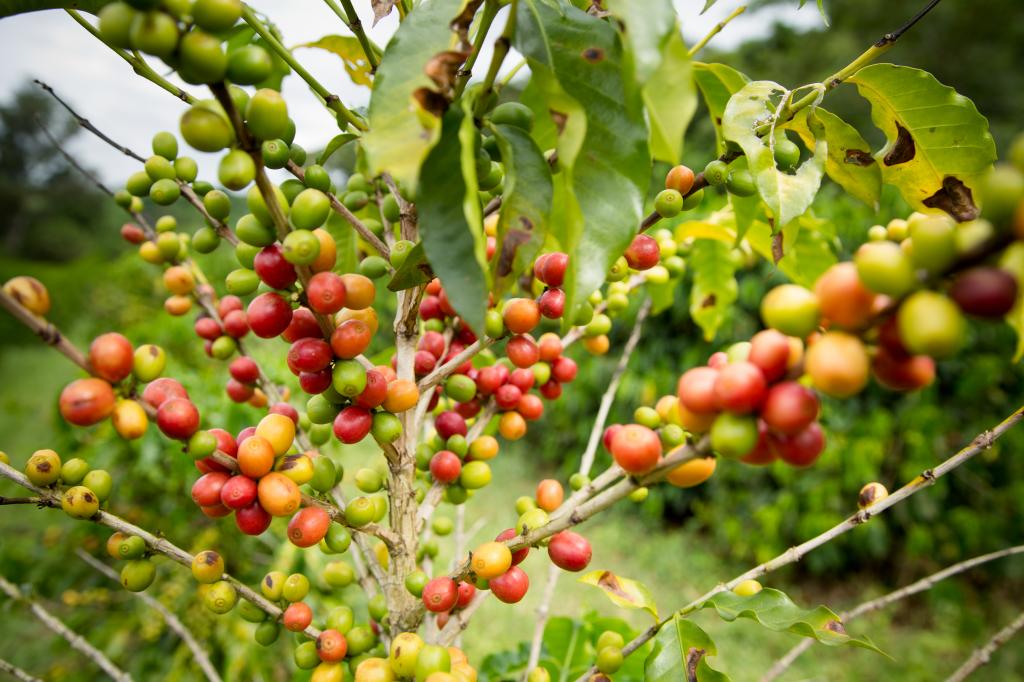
pixel 50 46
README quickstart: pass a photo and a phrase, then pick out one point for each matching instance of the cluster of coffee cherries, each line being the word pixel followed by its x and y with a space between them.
pixel 892 312
pixel 82 489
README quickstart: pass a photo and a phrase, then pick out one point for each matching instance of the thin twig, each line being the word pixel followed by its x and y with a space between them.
pixel 16 672
pixel 716 29
pixel 55 624
pixel 921 585
pixel 981 442
pixel 45 330
pixel 202 658
pixel 351 19
pixel 586 462
pixel 983 655
pixel 154 543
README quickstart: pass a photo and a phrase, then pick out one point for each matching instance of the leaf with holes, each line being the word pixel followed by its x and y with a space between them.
pixel 787 195
pixel 450 220
pixel 681 651
pixel 352 56
pixel 1012 261
pixel 714 284
pixel 717 83
pixel 404 122
pixel 776 611
pixel 623 591
pixel 12 7
pixel 525 207
pixel 938 145
pixel 578 62
pixel 849 162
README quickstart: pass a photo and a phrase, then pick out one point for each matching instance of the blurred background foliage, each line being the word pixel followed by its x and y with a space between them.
pixel 58 228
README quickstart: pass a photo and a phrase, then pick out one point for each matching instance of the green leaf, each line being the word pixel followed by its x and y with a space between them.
pixel 336 143
pixel 414 271
pixel 565 648
pixel 682 646
pixel 646 27
pixel 525 207
pixel 849 162
pixel 577 61
pixel 938 145
pixel 1012 260
pixel 821 10
pixel 776 611
pixel 714 285
pixel 670 96
pixel 707 5
pixel 717 83
pixel 662 295
pixel 449 217
pixel 402 131
pixel 622 591
pixel 806 247
pixel 745 209
pixel 12 7
pixel 786 195
pixel 346 243
pixel 357 66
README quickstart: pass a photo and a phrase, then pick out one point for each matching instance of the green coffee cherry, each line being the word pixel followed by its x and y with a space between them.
pixel 668 203
pixel 138 574
pixel 220 597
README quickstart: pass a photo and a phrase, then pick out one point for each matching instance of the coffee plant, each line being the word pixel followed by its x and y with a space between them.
pixel 432 301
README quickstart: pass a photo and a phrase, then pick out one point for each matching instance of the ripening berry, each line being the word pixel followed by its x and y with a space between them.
pixel 79 502
pixel 838 364
pixel 692 472
pixel 297 617
pixel 636 448
pixel 842 297
pixel 207 566
pixel 111 357
pixel 510 587
pixel 680 178
pixel 549 495
pixel 569 551
pixel 308 526
pixel 440 594
pixel 85 402
pixel 521 315
pixel 747 588
pixel 791 309
pixel 490 560
pixel 278 494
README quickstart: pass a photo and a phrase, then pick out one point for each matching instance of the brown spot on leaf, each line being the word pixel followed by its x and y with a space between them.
pixel 709 301
pixel 859 157
pixel 559 118
pixel 777 252
pixel 609 582
pixel 903 150
pixel 431 101
pixel 443 68
pixel 593 55
pixel 460 24
pixel 693 656
pixel 955 198
pixel 513 240
pixel 835 626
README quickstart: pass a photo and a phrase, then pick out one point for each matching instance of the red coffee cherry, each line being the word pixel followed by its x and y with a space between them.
pixel 569 551
pixel 440 594
pixel 326 293
pixel 269 315
pixel 643 252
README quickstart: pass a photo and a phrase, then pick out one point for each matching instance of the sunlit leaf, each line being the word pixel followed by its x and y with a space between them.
pixel 776 611
pixel 806 247
pixel 714 284
pixel 670 96
pixel 717 83
pixel 623 591
pixel 681 651
pixel 849 162
pixel 938 145
pixel 357 66
pixel 787 195
pixel 402 131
